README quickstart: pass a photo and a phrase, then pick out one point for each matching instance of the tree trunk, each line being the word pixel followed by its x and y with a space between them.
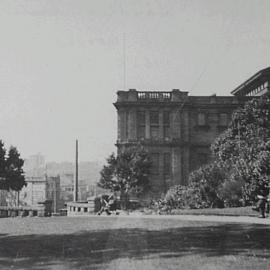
pixel 124 198
pixel 18 198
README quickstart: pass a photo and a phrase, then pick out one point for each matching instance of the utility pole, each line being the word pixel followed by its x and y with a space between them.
pixel 75 196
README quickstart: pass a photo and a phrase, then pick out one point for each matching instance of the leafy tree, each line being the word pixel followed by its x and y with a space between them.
pixel 11 172
pixel 245 146
pixel 231 192
pixel 127 172
pixel 14 172
pixel 3 182
pixel 207 179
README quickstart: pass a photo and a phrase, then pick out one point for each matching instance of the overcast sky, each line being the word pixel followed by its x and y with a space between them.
pixel 62 61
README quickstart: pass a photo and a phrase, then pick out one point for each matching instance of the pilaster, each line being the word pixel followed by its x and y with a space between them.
pixel 176 166
pixel 147 124
pixel 175 124
pixel 161 125
pixel 132 125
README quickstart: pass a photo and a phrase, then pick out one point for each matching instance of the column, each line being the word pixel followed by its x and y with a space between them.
pixel 122 125
pixel 161 126
pixel 176 124
pixel 147 124
pixel 132 125
pixel 185 128
pixel 186 160
pixel 176 166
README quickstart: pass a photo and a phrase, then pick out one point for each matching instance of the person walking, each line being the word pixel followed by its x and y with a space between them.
pixel 262 192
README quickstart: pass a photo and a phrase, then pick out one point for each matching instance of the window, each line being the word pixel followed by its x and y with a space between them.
pixel 223 119
pixel 155 163
pixel 166 124
pixel 201 119
pixel 127 116
pixel 141 118
pixel 154 131
pixel 167 163
pixel 154 118
pixel 141 124
pixel 154 124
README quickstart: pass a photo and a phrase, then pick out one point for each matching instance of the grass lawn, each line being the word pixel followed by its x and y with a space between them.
pixel 131 243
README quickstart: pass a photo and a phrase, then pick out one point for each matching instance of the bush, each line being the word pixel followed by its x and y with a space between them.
pixel 207 180
pixel 183 197
pixel 179 197
pixel 231 192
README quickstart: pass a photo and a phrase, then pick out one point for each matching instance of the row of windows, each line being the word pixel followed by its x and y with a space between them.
pixel 202 120
pixel 257 90
pixel 154 118
pixel 154 124
pixel 223 119
pixel 164 159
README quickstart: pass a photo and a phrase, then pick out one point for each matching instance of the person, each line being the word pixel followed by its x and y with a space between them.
pixel 262 192
pixel 108 204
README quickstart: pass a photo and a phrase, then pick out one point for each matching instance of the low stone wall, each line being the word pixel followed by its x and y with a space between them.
pixel 80 208
pixel 22 211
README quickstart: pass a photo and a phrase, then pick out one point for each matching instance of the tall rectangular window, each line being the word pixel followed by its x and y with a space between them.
pixel 167 163
pixel 155 163
pixel 223 119
pixel 154 124
pixel 166 124
pixel 201 119
pixel 141 124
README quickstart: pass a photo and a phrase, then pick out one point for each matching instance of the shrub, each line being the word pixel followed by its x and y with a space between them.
pixel 207 179
pixel 231 192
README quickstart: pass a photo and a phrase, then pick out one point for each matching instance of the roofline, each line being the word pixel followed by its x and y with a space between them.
pixel 260 73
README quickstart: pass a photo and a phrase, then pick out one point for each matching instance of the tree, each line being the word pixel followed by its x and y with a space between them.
pixel 11 171
pixel 245 146
pixel 14 171
pixel 208 179
pixel 3 182
pixel 126 172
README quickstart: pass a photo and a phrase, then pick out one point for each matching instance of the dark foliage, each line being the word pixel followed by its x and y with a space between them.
pixel 127 172
pixel 11 169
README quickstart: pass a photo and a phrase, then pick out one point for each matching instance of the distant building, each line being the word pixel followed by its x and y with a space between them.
pixel 256 85
pixel 34 192
pixel 34 166
pixel 67 191
pixel 41 189
pixel 53 192
pixel 176 129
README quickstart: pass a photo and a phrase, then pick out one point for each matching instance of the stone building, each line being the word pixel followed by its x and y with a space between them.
pixel 53 192
pixel 40 190
pixel 34 192
pixel 257 85
pixel 176 129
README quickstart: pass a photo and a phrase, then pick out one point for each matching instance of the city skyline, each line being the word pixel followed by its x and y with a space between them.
pixel 62 63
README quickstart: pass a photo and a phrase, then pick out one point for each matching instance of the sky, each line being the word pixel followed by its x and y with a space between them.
pixel 62 62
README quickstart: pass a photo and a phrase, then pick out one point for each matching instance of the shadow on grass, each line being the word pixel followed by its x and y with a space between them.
pixel 97 248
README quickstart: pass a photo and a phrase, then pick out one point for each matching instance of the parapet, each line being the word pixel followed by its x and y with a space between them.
pixel 132 95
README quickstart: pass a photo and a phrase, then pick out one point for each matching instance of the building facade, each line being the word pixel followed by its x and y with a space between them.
pixel 53 192
pixel 256 86
pixel 40 190
pixel 175 128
